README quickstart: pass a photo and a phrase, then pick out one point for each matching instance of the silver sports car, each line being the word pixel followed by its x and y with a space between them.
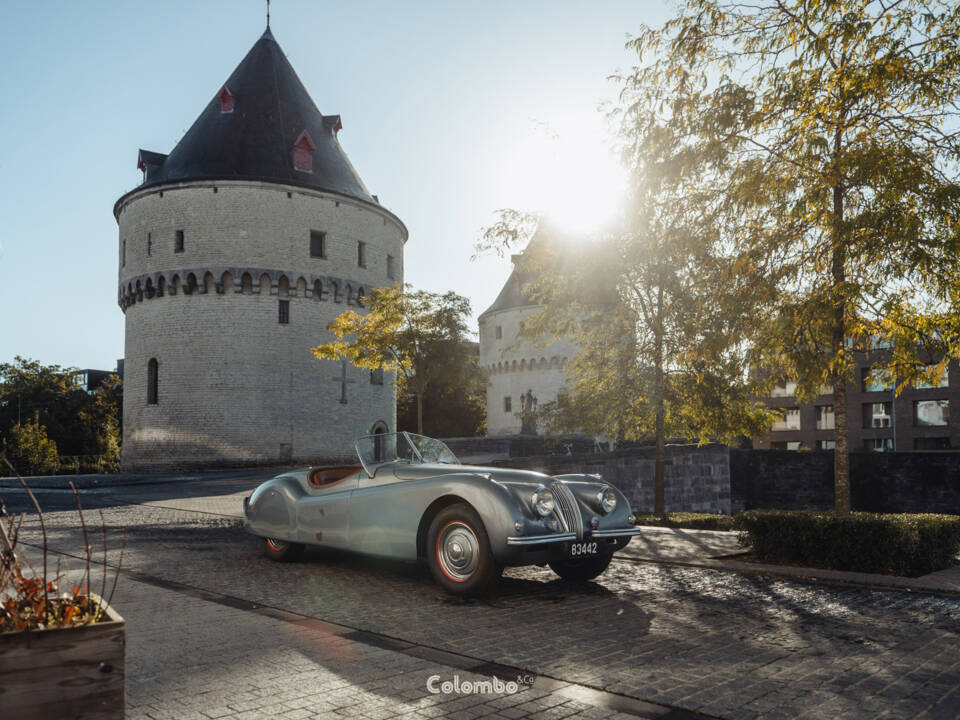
pixel 411 499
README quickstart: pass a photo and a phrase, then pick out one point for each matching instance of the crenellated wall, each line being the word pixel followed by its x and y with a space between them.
pixel 514 365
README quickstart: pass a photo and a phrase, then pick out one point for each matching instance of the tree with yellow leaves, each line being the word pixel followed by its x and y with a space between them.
pixel 419 335
pixel 829 130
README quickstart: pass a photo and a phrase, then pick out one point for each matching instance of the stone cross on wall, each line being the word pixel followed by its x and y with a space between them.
pixel 343 380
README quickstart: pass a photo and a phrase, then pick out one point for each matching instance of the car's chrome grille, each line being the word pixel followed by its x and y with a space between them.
pixel 569 507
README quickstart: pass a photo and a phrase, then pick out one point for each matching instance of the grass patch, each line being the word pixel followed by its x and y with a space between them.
pixel 898 544
pixel 690 521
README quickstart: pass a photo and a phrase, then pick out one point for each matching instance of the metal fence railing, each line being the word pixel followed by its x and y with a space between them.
pixel 86 464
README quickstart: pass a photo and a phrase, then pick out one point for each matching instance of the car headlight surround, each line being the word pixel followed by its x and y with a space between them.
pixel 543 502
pixel 607 500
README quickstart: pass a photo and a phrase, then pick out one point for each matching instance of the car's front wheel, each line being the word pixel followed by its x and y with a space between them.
pixel 458 552
pixel 281 550
pixel 581 569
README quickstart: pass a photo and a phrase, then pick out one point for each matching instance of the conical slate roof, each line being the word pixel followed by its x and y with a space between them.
pixel 255 139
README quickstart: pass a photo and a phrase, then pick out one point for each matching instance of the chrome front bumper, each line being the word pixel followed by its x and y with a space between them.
pixel 571 536
pixel 541 539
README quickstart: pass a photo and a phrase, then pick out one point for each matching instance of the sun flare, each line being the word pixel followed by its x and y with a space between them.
pixel 567 173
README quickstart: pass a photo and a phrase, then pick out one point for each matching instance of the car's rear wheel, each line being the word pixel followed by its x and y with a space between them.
pixel 458 552
pixel 581 569
pixel 281 550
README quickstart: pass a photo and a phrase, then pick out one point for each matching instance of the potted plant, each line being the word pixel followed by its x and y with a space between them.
pixel 61 653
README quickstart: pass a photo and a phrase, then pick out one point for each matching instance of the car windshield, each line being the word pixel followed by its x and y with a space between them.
pixel 374 450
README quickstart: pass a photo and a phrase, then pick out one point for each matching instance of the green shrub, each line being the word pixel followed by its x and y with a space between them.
pixel 904 544
pixel 691 521
pixel 30 450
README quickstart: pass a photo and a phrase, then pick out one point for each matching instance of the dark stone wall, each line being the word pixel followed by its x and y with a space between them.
pixel 905 482
pixel 780 480
pixel 879 482
pixel 718 479
pixel 519 445
pixel 696 479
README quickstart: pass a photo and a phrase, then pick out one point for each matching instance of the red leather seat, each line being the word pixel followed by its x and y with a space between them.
pixel 324 477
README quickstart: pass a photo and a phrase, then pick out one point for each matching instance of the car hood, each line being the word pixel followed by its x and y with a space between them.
pixel 418 472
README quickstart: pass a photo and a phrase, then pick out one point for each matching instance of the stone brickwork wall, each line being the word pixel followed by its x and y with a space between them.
pixel 879 482
pixel 235 385
pixel 718 479
pixel 781 479
pixel 906 482
pixel 696 479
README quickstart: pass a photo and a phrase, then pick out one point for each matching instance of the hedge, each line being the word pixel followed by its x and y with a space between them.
pixel 689 520
pixel 908 545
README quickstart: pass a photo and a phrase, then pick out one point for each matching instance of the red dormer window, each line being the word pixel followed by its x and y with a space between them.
pixel 226 100
pixel 303 152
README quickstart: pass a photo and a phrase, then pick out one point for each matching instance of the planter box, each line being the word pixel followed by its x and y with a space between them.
pixel 74 672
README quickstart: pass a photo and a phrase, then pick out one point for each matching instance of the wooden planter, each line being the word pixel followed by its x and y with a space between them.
pixel 74 672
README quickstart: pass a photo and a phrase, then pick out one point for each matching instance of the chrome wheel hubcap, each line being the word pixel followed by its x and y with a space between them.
pixel 277 545
pixel 458 551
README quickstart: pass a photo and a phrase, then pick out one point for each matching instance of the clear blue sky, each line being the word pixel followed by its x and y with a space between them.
pixel 443 104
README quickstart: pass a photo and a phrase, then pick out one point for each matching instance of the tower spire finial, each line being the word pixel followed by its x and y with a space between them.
pixel 268 14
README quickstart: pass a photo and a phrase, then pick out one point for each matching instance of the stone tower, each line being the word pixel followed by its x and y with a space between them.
pixel 235 252
pixel 520 375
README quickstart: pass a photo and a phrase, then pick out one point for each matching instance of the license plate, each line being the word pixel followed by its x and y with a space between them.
pixel 584 548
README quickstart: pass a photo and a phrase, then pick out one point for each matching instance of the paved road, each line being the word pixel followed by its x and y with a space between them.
pixel 215 627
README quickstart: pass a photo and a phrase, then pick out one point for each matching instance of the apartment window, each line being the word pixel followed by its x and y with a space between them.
pixel 943 382
pixel 875 380
pixel 499 332
pixel 153 381
pixel 390 270
pixel 361 254
pixel 284 312
pixel 149 245
pixel 123 254
pixel 789 421
pixel 507 404
pixel 785 445
pixel 878 415
pixel 376 376
pixel 878 444
pixel 826 444
pixel 825 419
pixel 931 443
pixel 178 243
pixel 786 389
pixel 931 413
pixel 318 244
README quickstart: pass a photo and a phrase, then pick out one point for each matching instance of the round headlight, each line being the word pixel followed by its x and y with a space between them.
pixel 543 502
pixel 607 499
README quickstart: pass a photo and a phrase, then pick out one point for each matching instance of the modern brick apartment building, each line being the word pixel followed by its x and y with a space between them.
pixel 878 420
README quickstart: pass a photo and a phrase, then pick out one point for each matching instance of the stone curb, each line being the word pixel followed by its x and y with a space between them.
pixel 872 580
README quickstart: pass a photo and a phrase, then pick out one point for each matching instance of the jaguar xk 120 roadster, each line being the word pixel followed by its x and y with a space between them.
pixel 411 499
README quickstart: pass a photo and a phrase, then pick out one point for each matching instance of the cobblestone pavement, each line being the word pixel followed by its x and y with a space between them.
pixel 718 643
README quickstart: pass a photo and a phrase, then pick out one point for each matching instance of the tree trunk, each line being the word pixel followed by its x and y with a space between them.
pixel 658 500
pixel 841 453
pixel 419 412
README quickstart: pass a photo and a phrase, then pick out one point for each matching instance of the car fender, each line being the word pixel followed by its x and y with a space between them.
pixel 272 509
pixel 395 530
pixel 498 506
